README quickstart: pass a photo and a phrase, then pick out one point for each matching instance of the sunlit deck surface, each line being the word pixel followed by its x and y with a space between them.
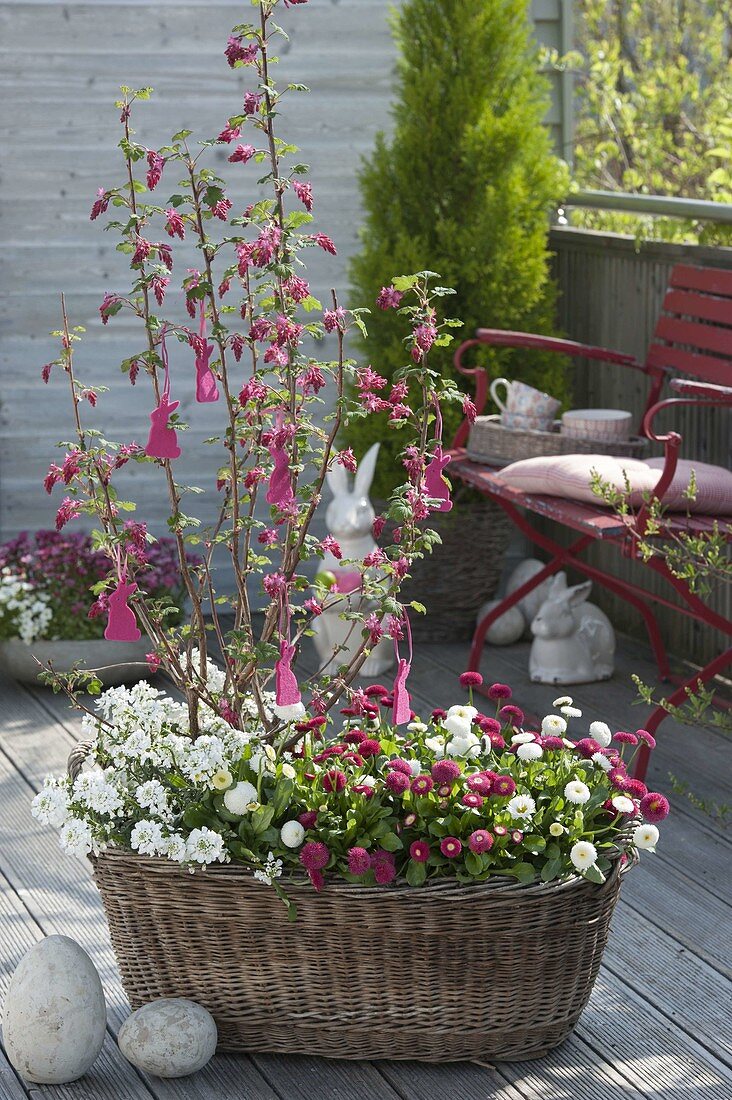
pixel 659 1023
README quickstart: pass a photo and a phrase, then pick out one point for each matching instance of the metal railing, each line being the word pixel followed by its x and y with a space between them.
pixel 655 205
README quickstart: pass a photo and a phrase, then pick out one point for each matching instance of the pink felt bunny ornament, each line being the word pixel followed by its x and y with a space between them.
pixel 402 706
pixel 122 624
pixel 163 441
pixel 436 485
pixel 279 491
pixel 206 388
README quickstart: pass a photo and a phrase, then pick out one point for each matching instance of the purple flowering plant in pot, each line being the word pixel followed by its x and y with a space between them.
pixel 46 584
pixel 207 808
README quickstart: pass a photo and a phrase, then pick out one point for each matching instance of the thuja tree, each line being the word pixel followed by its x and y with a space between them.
pixel 254 347
pixel 465 182
pixel 654 100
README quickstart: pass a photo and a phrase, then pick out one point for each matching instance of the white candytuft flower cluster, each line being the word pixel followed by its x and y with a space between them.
pixel 149 770
pixel 29 609
pixel 271 870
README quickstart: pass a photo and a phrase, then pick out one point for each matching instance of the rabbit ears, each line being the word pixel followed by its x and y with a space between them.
pixel 572 596
pixel 338 480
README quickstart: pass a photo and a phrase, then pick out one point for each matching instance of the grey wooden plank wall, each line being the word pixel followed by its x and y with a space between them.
pixel 611 294
pixel 62 65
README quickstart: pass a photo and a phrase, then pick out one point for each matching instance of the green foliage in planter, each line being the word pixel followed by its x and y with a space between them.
pixel 465 185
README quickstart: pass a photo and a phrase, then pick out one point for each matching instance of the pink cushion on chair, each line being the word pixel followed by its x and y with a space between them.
pixel 570 476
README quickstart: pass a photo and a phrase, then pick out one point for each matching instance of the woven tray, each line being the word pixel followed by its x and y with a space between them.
pixel 492 443
pixel 446 972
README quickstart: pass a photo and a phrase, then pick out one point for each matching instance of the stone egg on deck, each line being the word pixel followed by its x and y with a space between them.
pixel 507 629
pixel 170 1037
pixel 54 1018
pixel 525 571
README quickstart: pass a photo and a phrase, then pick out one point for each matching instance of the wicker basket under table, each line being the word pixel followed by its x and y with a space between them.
pixel 439 973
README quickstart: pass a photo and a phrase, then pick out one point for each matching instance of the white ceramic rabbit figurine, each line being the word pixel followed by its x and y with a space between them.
pixel 574 641
pixel 349 518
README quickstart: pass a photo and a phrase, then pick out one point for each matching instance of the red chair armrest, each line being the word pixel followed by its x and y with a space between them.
pixel 699 394
pixel 692 387
pixel 504 338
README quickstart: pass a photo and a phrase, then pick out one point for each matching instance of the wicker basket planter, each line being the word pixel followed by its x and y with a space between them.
pixel 442 973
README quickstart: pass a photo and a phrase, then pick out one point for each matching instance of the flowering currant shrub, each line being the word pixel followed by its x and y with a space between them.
pixel 255 347
pixel 462 795
pixel 46 580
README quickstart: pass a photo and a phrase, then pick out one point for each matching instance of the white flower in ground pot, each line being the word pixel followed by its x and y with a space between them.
pixel 292 834
pixel 600 732
pixel 623 804
pixel 523 738
pixel 583 855
pixel 646 837
pixel 238 798
pixel 529 751
pixel 459 720
pixel 577 792
pixel 554 725
pixel 601 760
pixel 521 806
pixel 467 745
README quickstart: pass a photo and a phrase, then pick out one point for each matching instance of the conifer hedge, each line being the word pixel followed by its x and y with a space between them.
pixel 464 185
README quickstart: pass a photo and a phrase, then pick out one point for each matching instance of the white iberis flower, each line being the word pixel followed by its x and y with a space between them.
pixel 76 837
pixel 271 870
pixel 205 846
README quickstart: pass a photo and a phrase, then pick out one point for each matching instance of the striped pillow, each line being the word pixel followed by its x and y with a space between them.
pixel 570 476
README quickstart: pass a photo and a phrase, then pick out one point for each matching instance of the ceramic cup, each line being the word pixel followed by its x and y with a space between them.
pixel 613 425
pixel 524 401
pixel 519 422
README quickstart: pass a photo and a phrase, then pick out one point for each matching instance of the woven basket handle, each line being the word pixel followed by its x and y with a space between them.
pixel 77 756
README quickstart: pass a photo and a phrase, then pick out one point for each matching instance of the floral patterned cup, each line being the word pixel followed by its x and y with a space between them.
pixel 524 407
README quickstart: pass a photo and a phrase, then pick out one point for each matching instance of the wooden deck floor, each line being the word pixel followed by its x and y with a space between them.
pixel 659 1023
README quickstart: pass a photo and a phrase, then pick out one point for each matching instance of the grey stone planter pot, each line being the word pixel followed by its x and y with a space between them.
pixel 114 662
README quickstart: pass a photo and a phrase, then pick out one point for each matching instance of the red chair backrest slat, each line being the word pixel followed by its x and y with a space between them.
pixel 694 332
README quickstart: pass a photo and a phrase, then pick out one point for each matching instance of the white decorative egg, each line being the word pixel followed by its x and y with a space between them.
pixel 54 1018
pixel 507 629
pixel 171 1037
pixel 523 572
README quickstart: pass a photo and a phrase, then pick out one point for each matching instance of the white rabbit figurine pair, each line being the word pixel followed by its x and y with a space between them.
pixel 574 641
pixel 349 518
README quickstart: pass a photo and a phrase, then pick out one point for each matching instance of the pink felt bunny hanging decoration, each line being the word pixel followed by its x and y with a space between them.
pixel 437 487
pixel 402 706
pixel 287 689
pixel 163 441
pixel 122 624
pixel 206 388
pixel 279 491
